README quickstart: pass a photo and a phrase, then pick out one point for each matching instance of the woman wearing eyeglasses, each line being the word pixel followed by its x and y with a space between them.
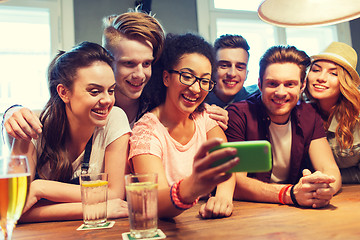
pixel 174 138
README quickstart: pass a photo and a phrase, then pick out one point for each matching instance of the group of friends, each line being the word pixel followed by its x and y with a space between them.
pixel 148 102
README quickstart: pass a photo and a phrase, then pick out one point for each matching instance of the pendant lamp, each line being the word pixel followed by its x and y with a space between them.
pixel 300 13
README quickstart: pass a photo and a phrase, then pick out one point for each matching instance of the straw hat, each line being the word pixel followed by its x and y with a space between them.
pixel 343 55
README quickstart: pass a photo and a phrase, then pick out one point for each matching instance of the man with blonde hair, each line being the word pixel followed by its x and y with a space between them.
pixel 135 39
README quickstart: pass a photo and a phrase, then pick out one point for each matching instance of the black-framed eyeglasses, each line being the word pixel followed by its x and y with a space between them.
pixel 189 79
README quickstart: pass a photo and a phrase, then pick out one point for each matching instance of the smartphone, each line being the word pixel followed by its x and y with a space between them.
pixel 255 156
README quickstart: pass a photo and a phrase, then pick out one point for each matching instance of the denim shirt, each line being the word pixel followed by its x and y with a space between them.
pixel 243 94
pixel 248 120
pixel 348 160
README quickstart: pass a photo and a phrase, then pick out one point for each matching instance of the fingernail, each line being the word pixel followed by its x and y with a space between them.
pixel 233 150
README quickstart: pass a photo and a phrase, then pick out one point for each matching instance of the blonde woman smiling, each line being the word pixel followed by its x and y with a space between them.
pixel 332 84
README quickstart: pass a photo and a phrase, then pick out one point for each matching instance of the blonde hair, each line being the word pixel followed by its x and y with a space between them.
pixel 133 25
pixel 346 111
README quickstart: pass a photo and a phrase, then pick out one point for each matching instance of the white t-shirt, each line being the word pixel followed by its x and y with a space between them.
pixel 116 126
pixel 280 138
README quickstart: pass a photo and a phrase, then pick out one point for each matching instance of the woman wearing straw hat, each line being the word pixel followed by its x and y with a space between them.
pixel 332 84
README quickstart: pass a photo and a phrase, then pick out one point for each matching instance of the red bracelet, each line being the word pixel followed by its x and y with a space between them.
pixel 288 186
pixel 176 199
pixel 283 192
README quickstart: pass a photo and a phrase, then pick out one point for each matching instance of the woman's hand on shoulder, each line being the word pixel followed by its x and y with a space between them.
pixel 218 114
pixel 23 124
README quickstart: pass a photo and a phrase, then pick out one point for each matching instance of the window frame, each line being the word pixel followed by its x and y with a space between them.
pixel 61 26
pixel 207 15
pixel 62 35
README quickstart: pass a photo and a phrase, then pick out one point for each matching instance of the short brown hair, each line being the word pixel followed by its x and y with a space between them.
pixel 284 54
pixel 133 25
pixel 231 41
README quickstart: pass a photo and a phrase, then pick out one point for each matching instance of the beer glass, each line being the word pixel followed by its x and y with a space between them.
pixel 14 185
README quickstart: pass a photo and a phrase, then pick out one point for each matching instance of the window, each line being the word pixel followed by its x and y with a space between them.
pixel 25 51
pixel 31 31
pixel 312 40
pixel 31 34
pixel 243 5
pixel 259 37
pixel 218 17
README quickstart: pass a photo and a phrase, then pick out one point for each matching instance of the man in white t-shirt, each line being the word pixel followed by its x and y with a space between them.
pixel 294 130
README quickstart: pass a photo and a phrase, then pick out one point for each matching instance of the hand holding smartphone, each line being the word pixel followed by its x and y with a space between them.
pixel 255 156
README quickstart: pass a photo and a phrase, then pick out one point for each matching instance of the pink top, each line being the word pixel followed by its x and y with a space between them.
pixel 149 136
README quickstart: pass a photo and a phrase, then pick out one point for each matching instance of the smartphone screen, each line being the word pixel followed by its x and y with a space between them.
pixel 255 156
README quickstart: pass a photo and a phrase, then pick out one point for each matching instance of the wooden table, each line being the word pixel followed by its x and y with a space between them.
pixel 340 220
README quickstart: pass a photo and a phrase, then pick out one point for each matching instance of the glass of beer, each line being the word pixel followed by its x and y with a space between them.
pixel 14 185
pixel 142 199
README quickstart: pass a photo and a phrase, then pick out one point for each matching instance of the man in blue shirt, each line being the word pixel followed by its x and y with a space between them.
pixel 232 53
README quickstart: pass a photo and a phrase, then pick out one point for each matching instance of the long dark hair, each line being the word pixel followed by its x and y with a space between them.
pixel 63 70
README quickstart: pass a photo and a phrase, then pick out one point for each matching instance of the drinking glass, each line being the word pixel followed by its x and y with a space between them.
pixel 94 190
pixel 14 185
pixel 142 199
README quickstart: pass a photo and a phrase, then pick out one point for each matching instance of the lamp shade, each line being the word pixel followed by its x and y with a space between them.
pixel 299 13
